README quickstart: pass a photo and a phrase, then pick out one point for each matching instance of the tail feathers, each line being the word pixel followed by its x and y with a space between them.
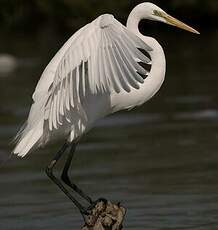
pixel 28 139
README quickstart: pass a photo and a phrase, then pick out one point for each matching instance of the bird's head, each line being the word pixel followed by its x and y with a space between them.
pixel 155 13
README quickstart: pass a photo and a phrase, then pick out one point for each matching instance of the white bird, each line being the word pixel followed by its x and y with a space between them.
pixel 103 68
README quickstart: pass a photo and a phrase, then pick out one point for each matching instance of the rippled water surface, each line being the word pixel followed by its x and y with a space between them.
pixel 159 160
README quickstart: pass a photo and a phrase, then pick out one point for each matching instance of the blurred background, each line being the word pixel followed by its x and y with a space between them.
pixel 159 160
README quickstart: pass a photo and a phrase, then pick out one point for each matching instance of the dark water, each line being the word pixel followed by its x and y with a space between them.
pixel 159 160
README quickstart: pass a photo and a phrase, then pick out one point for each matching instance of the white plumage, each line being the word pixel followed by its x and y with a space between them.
pixel 97 72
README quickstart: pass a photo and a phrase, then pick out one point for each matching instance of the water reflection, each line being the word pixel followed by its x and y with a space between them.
pixel 159 160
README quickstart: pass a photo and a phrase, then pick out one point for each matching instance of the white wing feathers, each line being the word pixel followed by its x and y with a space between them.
pixel 102 58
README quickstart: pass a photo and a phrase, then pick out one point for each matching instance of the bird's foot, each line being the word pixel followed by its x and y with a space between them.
pixel 94 203
pixel 86 213
pixel 104 215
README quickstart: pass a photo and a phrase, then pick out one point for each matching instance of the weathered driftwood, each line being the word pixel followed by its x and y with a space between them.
pixel 105 216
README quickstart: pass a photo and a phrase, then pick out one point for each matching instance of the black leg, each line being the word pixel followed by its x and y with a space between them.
pixel 65 176
pixel 49 172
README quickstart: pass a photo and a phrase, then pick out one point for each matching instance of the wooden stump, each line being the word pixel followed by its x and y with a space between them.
pixel 105 217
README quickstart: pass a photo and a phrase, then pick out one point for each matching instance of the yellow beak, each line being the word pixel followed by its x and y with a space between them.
pixel 175 22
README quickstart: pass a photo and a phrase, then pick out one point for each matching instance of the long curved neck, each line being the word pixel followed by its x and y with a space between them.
pixel 133 21
pixel 155 78
pixel 136 15
pixel 157 54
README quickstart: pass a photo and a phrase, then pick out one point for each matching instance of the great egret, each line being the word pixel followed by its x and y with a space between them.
pixel 103 68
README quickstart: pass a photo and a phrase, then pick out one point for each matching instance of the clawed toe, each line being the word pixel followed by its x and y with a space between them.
pixel 94 203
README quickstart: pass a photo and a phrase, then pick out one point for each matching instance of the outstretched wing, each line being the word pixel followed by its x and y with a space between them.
pixel 102 57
